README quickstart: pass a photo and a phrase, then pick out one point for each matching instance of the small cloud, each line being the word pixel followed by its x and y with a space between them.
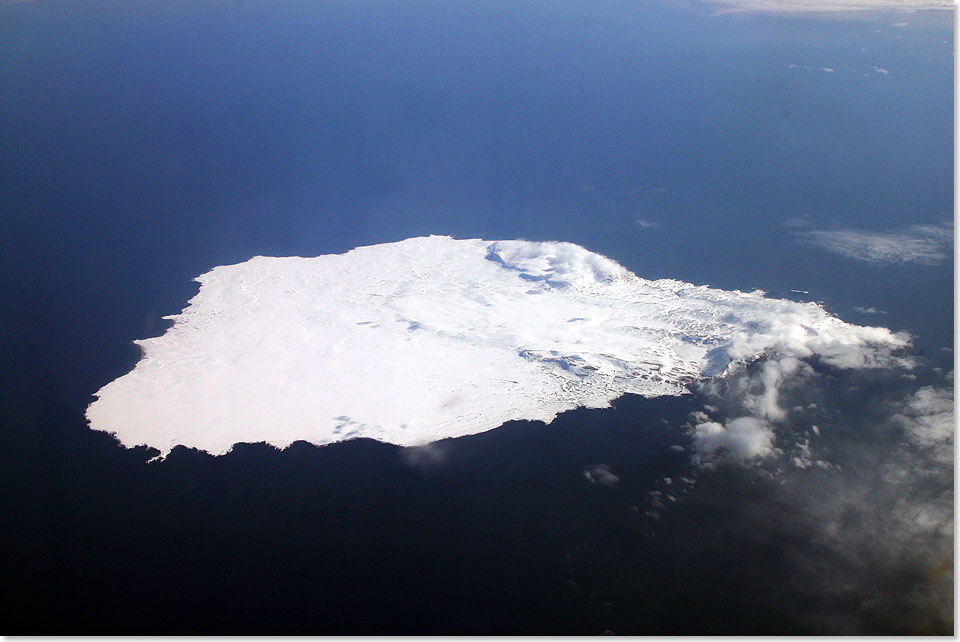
pixel 881 70
pixel 870 310
pixel 899 24
pixel 798 222
pixel 600 474
pixel 803 457
pixel 656 499
pixel 425 456
pixel 923 244
pixel 927 419
pixel 739 439
pixel 775 372
pixel 647 224
pixel 799 6
pixel 802 454
pixel 829 69
pixel 698 416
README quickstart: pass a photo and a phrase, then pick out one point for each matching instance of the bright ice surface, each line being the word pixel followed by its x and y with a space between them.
pixel 428 338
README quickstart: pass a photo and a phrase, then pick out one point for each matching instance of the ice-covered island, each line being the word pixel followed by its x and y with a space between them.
pixel 428 338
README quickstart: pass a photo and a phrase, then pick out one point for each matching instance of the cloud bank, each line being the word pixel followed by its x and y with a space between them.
pixel 857 471
pixel 429 338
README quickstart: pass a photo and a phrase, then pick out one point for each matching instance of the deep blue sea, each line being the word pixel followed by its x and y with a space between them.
pixel 142 144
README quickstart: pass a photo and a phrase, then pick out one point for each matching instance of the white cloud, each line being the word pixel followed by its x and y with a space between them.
pixel 809 68
pixel 927 419
pixel 870 310
pixel 601 474
pixel 742 438
pixel 786 336
pixel 802 456
pixel 698 416
pixel 881 70
pixel 765 402
pixel 425 456
pixel 796 6
pixel 647 224
pixel 922 244
pixel 756 391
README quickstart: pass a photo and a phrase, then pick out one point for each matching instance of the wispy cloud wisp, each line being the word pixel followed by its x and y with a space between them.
pixel 923 244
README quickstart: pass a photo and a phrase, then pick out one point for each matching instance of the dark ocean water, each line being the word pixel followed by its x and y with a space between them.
pixel 142 145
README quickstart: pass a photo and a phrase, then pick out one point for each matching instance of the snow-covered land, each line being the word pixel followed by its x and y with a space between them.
pixel 428 338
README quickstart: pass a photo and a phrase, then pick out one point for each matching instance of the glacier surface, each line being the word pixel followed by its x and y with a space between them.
pixel 433 337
